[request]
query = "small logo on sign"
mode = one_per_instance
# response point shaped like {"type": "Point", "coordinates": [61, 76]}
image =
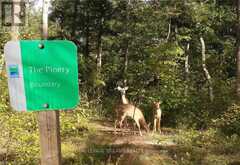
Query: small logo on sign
{"type": "Point", "coordinates": [13, 71]}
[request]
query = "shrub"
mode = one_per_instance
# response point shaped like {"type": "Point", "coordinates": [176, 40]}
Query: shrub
{"type": "Point", "coordinates": [229, 121]}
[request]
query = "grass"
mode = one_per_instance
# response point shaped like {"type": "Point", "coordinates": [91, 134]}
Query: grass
{"type": "Point", "coordinates": [191, 147]}
{"type": "Point", "coordinates": [87, 141]}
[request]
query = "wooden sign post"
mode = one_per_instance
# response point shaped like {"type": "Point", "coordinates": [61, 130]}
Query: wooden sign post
{"type": "Point", "coordinates": [48, 121]}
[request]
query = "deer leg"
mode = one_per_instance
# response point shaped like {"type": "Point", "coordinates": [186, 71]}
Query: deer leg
{"type": "Point", "coordinates": [139, 129]}
{"type": "Point", "coordinates": [134, 128]}
{"type": "Point", "coordinates": [159, 124]}
{"type": "Point", "coordinates": [126, 124]}
{"type": "Point", "coordinates": [115, 126]}
{"type": "Point", "coordinates": [154, 124]}
{"type": "Point", "coordinates": [121, 121]}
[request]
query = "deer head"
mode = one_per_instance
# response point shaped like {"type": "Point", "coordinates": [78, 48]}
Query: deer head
{"type": "Point", "coordinates": [122, 90]}
{"type": "Point", "coordinates": [157, 104]}
{"type": "Point", "coordinates": [123, 93]}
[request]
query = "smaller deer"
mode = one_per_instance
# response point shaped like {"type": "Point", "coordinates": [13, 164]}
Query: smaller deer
{"type": "Point", "coordinates": [157, 113]}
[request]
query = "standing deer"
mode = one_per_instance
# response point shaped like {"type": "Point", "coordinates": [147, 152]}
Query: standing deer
{"type": "Point", "coordinates": [128, 110]}
{"type": "Point", "coordinates": [157, 113]}
{"type": "Point", "coordinates": [124, 100]}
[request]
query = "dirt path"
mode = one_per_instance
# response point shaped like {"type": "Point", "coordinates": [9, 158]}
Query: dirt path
{"type": "Point", "coordinates": [98, 145]}
{"type": "Point", "coordinates": [131, 137]}
{"type": "Point", "coordinates": [125, 147]}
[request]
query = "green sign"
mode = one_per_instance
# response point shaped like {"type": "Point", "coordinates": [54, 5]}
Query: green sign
{"type": "Point", "coordinates": [42, 75]}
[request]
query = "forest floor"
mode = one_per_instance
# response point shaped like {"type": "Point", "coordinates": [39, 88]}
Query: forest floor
{"type": "Point", "coordinates": [102, 146]}
{"type": "Point", "coordinates": [93, 142]}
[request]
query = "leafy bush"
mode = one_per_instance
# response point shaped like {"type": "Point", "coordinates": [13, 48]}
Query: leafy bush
{"type": "Point", "coordinates": [19, 138]}
{"type": "Point", "coordinates": [229, 121]}
{"type": "Point", "coordinates": [197, 138]}
{"type": "Point", "coordinates": [206, 147]}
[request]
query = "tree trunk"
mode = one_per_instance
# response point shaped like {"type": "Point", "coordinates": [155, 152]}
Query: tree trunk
{"type": "Point", "coordinates": [99, 65]}
{"type": "Point", "coordinates": [169, 31]}
{"type": "Point", "coordinates": [126, 48]}
{"type": "Point", "coordinates": [99, 54]}
{"type": "Point", "coordinates": [14, 28]}
{"type": "Point", "coordinates": [87, 39]}
{"type": "Point", "coordinates": [99, 47]}
{"type": "Point", "coordinates": [125, 61]}
{"type": "Point", "coordinates": [186, 67]}
{"type": "Point", "coordinates": [74, 23]}
{"type": "Point", "coordinates": [207, 75]}
{"type": "Point", "coordinates": [238, 52]}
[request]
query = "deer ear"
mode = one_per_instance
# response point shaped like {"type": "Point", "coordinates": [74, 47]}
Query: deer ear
{"type": "Point", "coordinates": [126, 88]}
{"type": "Point", "coordinates": [119, 88]}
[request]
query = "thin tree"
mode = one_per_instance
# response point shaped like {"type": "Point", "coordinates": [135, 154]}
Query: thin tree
{"type": "Point", "coordinates": [169, 31]}
{"type": "Point", "coordinates": [126, 50]}
{"type": "Point", "coordinates": [14, 27]}
{"type": "Point", "coordinates": [186, 68]}
{"type": "Point", "coordinates": [238, 51]}
{"type": "Point", "coordinates": [206, 72]}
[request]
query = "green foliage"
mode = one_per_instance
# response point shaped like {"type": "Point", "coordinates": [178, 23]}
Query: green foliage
{"type": "Point", "coordinates": [154, 37]}
{"type": "Point", "coordinates": [229, 121]}
{"type": "Point", "coordinates": [19, 137]}
{"type": "Point", "coordinates": [145, 43]}
{"type": "Point", "coordinates": [207, 147]}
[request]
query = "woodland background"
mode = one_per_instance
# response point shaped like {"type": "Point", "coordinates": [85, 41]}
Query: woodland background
{"type": "Point", "coordinates": [182, 52]}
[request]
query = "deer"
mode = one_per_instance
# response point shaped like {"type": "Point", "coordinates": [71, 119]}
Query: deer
{"type": "Point", "coordinates": [124, 100]}
{"type": "Point", "coordinates": [126, 109]}
{"type": "Point", "coordinates": [157, 113]}
{"type": "Point", "coordinates": [129, 110]}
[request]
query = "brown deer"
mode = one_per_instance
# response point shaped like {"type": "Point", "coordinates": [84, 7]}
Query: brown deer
{"type": "Point", "coordinates": [124, 100]}
{"type": "Point", "coordinates": [129, 110]}
{"type": "Point", "coordinates": [157, 113]}
{"type": "Point", "coordinates": [125, 109]}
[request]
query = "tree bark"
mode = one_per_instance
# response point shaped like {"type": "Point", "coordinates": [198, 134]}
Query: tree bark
{"type": "Point", "coordinates": [206, 72]}
{"type": "Point", "coordinates": [126, 48]}
{"type": "Point", "coordinates": [126, 60]}
{"type": "Point", "coordinates": [99, 64]}
{"type": "Point", "coordinates": [14, 28]}
{"type": "Point", "coordinates": [169, 31]}
{"type": "Point", "coordinates": [74, 23]}
{"type": "Point", "coordinates": [238, 52]}
{"type": "Point", "coordinates": [87, 38]}
{"type": "Point", "coordinates": [186, 67]}
{"type": "Point", "coordinates": [99, 46]}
